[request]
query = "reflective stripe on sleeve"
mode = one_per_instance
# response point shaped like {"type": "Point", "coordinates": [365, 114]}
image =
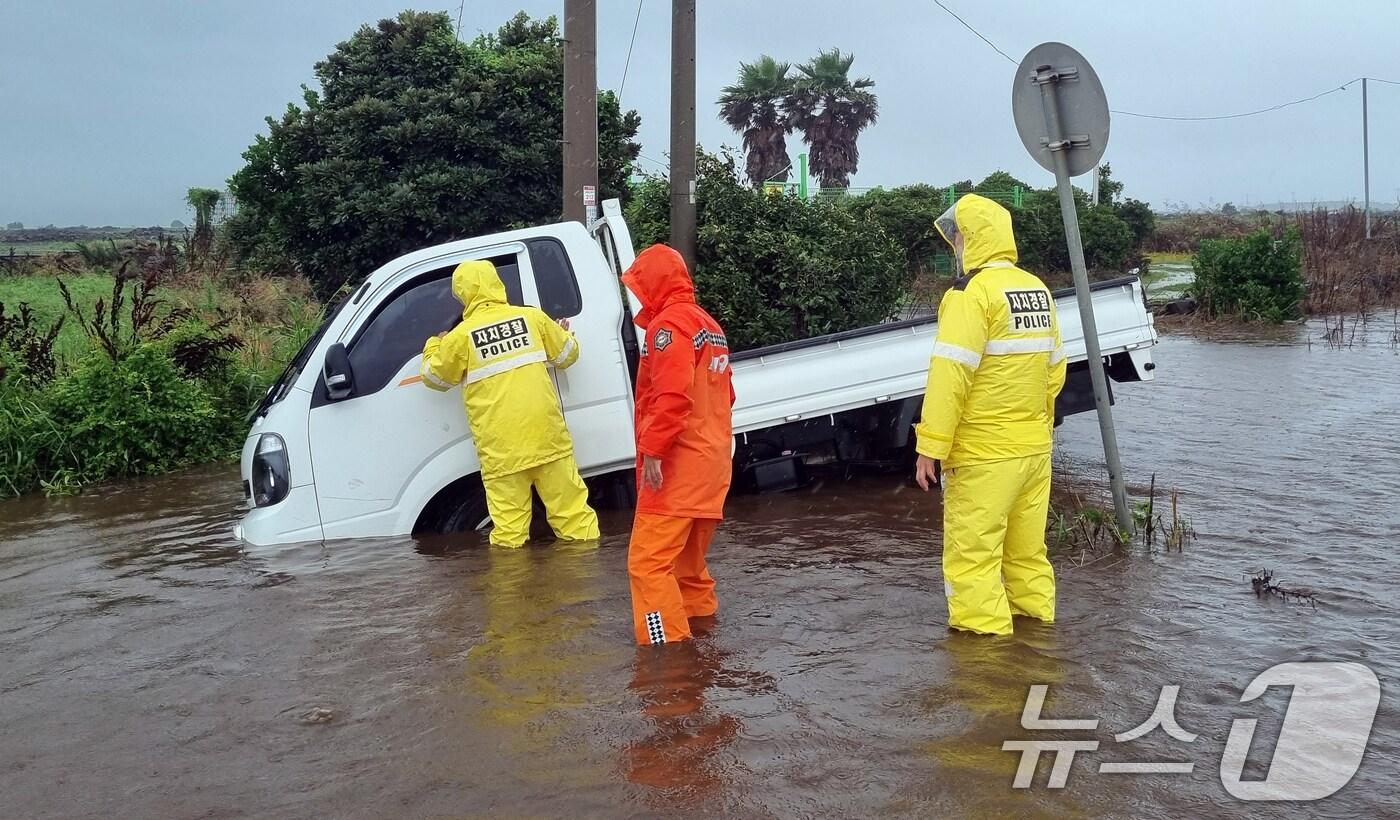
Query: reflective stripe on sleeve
{"type": "Point", "coordinates": [1058, 355]}
{"type": "Point", "coordinates": [497, 368]}
{"type": "Point", "coordinates": [1007, 347]}
{"type": "Point", "coordinates": [564, 354]}
{"type": "Point", "coordinates": [961, 355]}
{"type": "Point", "coordinates": [426, 371]}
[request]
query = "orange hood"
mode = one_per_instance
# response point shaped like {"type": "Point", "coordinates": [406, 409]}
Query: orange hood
{"type": "Point", "coordinates": [658, 278]}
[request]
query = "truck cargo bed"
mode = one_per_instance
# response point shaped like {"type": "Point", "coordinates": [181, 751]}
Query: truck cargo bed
{"type": "Point", "coordinates": [827, 374]}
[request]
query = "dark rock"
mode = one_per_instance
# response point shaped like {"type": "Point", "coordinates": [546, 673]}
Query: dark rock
{"type": "Point", "coordinates": [1179, 307]}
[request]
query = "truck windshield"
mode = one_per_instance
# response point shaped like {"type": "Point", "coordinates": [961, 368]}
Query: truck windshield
{"type": "Point", "coordinates": [283, 385]}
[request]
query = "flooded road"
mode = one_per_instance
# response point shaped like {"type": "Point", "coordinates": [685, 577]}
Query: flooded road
{"type": "Point", "coordinates": [153, 669]}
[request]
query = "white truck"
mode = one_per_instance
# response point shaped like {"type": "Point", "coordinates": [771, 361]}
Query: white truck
{"type": "Point", "coordinates": [348, 444]}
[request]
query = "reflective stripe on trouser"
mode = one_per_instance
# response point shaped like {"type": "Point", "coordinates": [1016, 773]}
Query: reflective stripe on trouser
{"type": "Point", "coordinates": [670, 579]}
{"type": "Point", "coordinates": [565, 500]}
{"type": "Point", "coordinates": [994, 562]}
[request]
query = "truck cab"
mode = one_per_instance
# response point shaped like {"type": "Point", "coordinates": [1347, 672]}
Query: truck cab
{"type": "Point", "coordinates": [348, 443]}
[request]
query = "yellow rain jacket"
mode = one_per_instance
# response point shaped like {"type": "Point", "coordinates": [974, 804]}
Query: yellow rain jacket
{"type": "Point", "coordinates": [502, 352]}
{"type": "Point", "coordinates": [997, 363]}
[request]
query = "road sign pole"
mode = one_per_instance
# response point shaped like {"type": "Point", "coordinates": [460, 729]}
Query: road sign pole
{"type": "Point", "coordinates": [1047, 78]}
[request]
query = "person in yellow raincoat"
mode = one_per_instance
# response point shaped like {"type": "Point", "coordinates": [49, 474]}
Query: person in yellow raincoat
{"type": "Point", "coordinates": [501, 353]}
{"type": "Point", "coordinates": [988, 414]}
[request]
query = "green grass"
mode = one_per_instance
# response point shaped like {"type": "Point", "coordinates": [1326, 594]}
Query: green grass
{"type": "Point", "coordinates": [272, 327]}
{"type": "Point", "coordinates": [41, 294]}
{"type": "Point", "coordinates": [1169, 257]}
{"type": "Point", "coordinates": [46, 246]}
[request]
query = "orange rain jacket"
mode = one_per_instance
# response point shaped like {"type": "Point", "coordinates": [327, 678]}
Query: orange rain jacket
{"type": "Point", "coordinates": [684, 391]}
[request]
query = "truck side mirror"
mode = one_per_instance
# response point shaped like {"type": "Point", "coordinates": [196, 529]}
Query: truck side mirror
{"type": "Point", "coordinates": [337, 374]}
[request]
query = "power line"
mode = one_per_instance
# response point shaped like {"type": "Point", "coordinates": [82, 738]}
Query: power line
{"type": "Point", "coordinates": [975, 31]}
{"type": "Point", "coordinates": [1254, 113]}
{"type": "Point", "coordinates": [460, 6]}
{"type": "Point", "coordinates": [1342, 87]}
{"type": "Point", "coordinates": [628, 64]}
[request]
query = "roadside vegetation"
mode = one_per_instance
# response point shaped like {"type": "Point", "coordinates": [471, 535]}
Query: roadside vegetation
{"type": "Point", "coordinates": [775, 268]}
{"type": "Point", "coordinates": [1271, 267]}
{"type": "Point", "coordinates": [137, 369]}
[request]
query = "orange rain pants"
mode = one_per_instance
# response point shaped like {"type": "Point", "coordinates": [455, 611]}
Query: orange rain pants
{"type": "Point", "coordinates": [671, 582]}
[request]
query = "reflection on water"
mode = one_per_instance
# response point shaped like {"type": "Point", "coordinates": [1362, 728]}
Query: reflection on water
{"type": "Point", "coordinates": [685, 735]}
{"type": "Point", "coordinates": [154, 668]}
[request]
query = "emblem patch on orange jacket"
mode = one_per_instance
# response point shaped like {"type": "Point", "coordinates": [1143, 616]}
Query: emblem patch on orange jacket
{"type": "Point", "coordinates": [663, 338]}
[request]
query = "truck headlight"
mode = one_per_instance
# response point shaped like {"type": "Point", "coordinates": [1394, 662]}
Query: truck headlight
{"type": "Point", "coordinates": [271, 473]}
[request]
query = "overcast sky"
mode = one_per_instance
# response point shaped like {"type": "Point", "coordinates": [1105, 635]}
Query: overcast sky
{"type": "Point", "coordinates": [110, 110]}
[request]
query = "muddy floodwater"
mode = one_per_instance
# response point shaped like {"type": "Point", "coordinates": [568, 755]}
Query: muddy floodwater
{"type": "Point", "coordinates": [150, 667]}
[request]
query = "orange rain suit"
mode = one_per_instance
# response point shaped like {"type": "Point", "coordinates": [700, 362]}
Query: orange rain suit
{"type": "Point", "coordinates": [684, 400]}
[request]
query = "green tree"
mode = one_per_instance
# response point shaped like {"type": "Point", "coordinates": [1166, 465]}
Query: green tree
{"type": "Point", "coordinates": [773, 268]}
{"type": "Point", "coordinates": [753, 107]}
{"type": "Point", "coordinates": [907, 215]}
{"type": "Point", "coordinates": [1109, 188]}
{"type": "Point", "coordinates": [416, 138]}
{"type": "Point", "coordinates": [1140, 218]}
{"type": "Point", "coordinates": [999, 182]}
{"type": "Point", "coordinates": [1040, 233]}
{"type": "Point", "coordinates": [831, 109]}
{"type": "Point", "coordinates": [1108, 241]}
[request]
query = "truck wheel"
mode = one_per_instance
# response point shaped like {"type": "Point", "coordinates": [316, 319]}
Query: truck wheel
{"type": "Point", "coordinates": [467, 513]}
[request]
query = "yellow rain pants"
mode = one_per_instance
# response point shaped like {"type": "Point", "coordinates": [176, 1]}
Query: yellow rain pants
{"type": "Point", "coordinates": [565, 498]}
{"type": "Point", "coordinates": [994, 563]}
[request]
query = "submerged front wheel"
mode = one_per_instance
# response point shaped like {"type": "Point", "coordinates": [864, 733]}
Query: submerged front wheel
{"type": "Point", "coordinates": [458, 507]}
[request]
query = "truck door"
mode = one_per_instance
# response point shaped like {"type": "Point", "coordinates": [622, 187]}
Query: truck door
{"type": "Point", "coordinates": [596, 391]}
{"type": "Point", "coordinates": [367, 448]}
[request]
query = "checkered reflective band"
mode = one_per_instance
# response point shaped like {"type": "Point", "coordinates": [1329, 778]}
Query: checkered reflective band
{"type": "Point", "coordinates": [655, 630]}
{"type": "Point", "coordinates": [707, 337]}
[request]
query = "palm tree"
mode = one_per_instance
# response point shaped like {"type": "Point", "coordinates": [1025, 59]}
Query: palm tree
{"type": "Point", "coordinates": [832, 110]}
{"type": "Point", "coordinates": [754, 108]}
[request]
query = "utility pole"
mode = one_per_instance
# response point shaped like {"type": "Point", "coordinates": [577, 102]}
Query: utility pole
{"type": "Point", "coordinates": [1366, 155]}
{"type": "Point", "coordinates": [683, 129]}
{"type": "Point", "coordinates": [580, 111]}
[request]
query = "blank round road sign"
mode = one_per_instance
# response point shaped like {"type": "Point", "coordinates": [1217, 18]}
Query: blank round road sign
{"type": "Point", "coordinates": [1082, 103]}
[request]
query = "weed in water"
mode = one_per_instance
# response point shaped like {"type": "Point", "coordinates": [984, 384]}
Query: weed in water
{"type": "Point", "coordinates": [1262, 580]}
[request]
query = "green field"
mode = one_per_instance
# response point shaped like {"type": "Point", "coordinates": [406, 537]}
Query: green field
{"type": "Point", "coordinates": [45, 246]}
{"type": "Point", "coordinates": [41, 294]}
